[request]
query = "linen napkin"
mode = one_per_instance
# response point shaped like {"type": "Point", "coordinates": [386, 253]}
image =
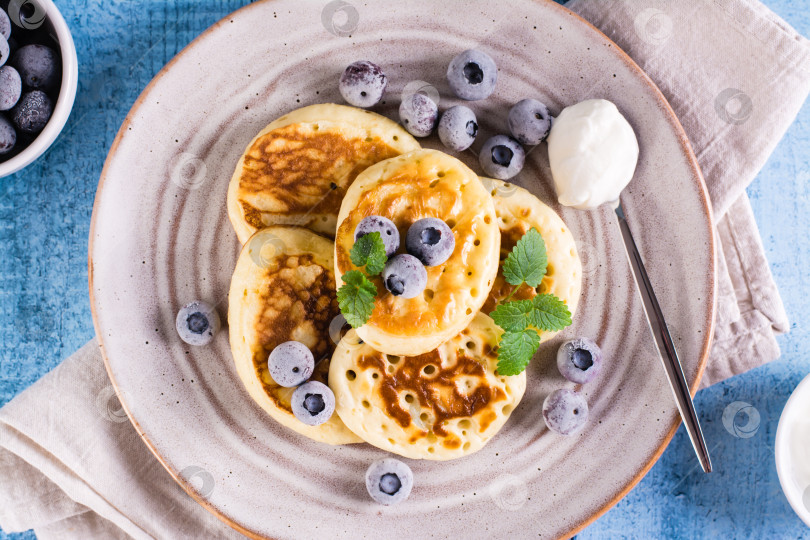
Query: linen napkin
{"type": "Point", "coordinates": [72, 466]}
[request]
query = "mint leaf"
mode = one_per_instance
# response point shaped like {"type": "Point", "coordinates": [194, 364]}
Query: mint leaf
{"type": "Point", "coordinates": [356, 298]}
{"type": "Point", "coordinates": [527, 261]}
{"type": "Point", "coordinates": [369, 251]}
{"type": "Point", "coordinates": [548, 313]}
{"type": "Point", "coordinates": [513, 316]}
{"type": "Point", "coordinates": [515, 351]}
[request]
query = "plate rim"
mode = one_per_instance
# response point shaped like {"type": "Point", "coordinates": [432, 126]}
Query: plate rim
{"type": "Point", "coordinates": [687, 151]}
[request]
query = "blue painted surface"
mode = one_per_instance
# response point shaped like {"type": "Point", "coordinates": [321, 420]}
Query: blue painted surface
{"type": "Point", "coordinates": [45, 314]}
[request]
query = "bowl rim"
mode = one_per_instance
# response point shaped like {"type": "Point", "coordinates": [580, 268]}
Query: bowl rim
{"type": "Point", "coordinates": [781, 457]}
{"type": "Point", "coordinates": [67, 94]}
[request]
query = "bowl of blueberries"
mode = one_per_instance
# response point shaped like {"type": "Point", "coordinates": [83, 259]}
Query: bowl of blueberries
{"type": "Point", "coordinates": [38, 80]}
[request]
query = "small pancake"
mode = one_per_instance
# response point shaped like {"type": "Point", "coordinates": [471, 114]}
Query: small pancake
{"type": "Point", "coordinates": [518, 211]}
{"type": "Point", "coordinates": [421, 184]}
{"type": "Point", "coordinates": [283, 288]}
{"type": "Point", "coordinates": [296, 171]}
{"type": "Point", "coordinates": [441, 405]}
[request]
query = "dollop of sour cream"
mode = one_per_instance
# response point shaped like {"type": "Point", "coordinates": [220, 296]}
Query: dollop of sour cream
{"type": "Point", "coordinates": [593, 153]}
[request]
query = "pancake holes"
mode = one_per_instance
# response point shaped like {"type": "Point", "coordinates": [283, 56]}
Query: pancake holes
{"type": "Point", "coordinates": [429, 369]}
{"type": "Point", "coordinates": [543, 288]}
{"type": "Point", "coordinates": [474, 292]}
{"type": "Point", "coordinates": [390, 440]}
{"type": "Point", "coordinates": [470, 344]}
{"type": "Point", "coordinates": [375, 375]}
{"type": "Point", "coordinates": [429, 294]}
{"type": "Point", "coordinates": [487, 219]}
{"type": "Point", "coordinates": [573, 252]}
{"type": "Point", "coordinates": [431, 449]}
{"type": "Point", "coordinates": [469, 273]}
{"type": "Point", "coordinates": [464, 433]}
{"type": "Point", "coordinates": [324, 218]}
{"type": "Point", "coordinates": [396, 137]}
{"type": "Point", "coordinates": [493, 192]}
{"type": "Point", "coordinates": [451, 223]}
{"type": "Point", "coordinates": [408, 398]}
{"type": "Point", "coordinates": [366, 404]}
{"type": "Point", "coordinates": [562, 230]}
{"type": "Point", "coordinates": [391, 369]}
{"type": "Point", "coordinates": [434, 183]}
{"type": "Point", "coordinates": [392, 359]}
{"type": "Point", "coordinates": [440, 174]}
{"type": "Point", "coordinates": [469, 311]}
{"type": "Point", "coordinates": [464, 424]}
{"type": "Point", "coordinates": [466, 446]}
{"type": "Point", "coordinates": [423, 417]}
{"type": "Point", "coordinates": [477, 242]}
{"type": "Point", "coordinates": [369, 139]}
{"type": "Point", "coordinates": [385, 427]}
{"type": "Point", "coordinates": [507, 410]}
{"type": "Point", "coordinates": [550, 270]}
{"type": "Point", "coordinates": [316, 127]}
{"type": "Point", "coordinates": [432, 437]}
{"type": "Point", "coordinates": [351, 375]}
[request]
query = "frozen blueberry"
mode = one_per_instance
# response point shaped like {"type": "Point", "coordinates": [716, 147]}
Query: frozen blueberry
{"type": "Point", "coordinates": [38, 66]}
{"type": "Point", "coordinates": [389, 481]}
{"type": "Point", "coordinates": [579, 360]}
{"type": "Point", "coordinates": [5, 25]}
{"type": "Point", "coordinates": [388, 231]}
{"type": "Point", "coordinates": [10, 87]}
{"type": "Point", "coordinates": [290, 364]}
{"type": "Point", "coordinates": [197, 323]}
{"type": "Point", "coordinates": [458, 128]}
{"type": "Point", "coordinates": [362, 84]}
{"type": "Point", "coordinates": [418, 114]}
{"type": "Point", "coordinates": [313, 403]}
{"type": "Point", "coordinates": [404, 276]}
{"type": "Point", "coordinates": [565, 411]}
{"type": "Point", "coordinates": [472, 75]}
{"type": "Point", "coordinates": [501, 157]}
{"type": "Point", "coordinates": [32, 112]}
{"type": "Point", "coordinates": [431, 241]}
{"type": "Point", "coordinates": [8, 136]}
{"type": "Point", "coordinates": [529, 121]}
{"type": "Point", "coordinates": [5, 50]}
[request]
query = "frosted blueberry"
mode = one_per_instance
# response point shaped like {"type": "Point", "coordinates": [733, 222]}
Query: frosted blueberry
{"type": "Point", "coordinates": [389, 481]}
{"type": "Point", "coordinates": [472, 75]}
{"type": "Point", "coordinates": [197, 323]}
{"type": "Point", "coordinates": [565, 411]}
{"type": "Point", "coordinates": [313, 403]}
{"type": "Point", "coordinates": [404, 276]}
{"type": "Point", "coordinates": [290, 364]}
{"type": "Point", "coordinates": [362, 84]}
{"type": "Point", "coordinates": [529, 121]}
{"type": "Point", "coordinates": [388, 232]}
{"type": "Point", "coordinates": [579, 360]}
{"type": "Point", "coordinates": [458, 128]}
{"type": "Point", "coordinates": [418, 114]}
{"type": "Point", "coordinates": [431, 241]}
{"type": "Point", "coordinates": [501, 157]}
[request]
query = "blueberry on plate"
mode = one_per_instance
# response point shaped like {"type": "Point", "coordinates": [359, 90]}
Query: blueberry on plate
{"type": "Point", "coordinates": [38, 66]}
{"type": "Point", "coordinates": [418, 114]}
{"type": "Point", "coordinates": [32, 112]}
{"type": "Point", "coordinates": [579, 360]}
{"type": "Point", "coordinates": [290, 364]}
{"type": "Point", "coordinates": [313, 403]}
{"type": "Point", "coordinates": [10, 87]}
{"type": "Point", "coordinates": [362, 84]}
{"type": "Point", "coordinates": [565, 411]}
{"type": "Point", "coordinates": [197, 323]}
{"type": "Point", "coordinates": [431, 241]}
{"type": "Point", "coordinates": [472, 75]}
{"type": "Point", "coordinates": [501, 157]}
{"type": "Point", "coordinates": [404, 276]}
{"type": "Point", "coordinates": [529, 121]}
{"type": "Point", "coordinates": [8, 136]}
{"type": "Point", "coordinates": [458, 128]}
{"type": "Point", "coordinates": [389, 481]}
{"type": "Point", "coordinates": [388, 232]}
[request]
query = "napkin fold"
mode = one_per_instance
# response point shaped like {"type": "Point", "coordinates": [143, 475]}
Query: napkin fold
{"type": "Point", "coordinates": [72, 466]}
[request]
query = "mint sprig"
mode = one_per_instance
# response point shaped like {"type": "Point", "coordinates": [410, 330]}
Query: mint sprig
{"type": "Point", "coordinates": [356, 295]}
{"type": "Point", "coordinates": [522, 320]}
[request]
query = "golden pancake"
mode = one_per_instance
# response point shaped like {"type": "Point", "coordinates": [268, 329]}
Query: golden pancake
{"type": "Point", "coordinates": [283, 288]}
{"type": "Point", "coordinates": [518, 211]}
{"type": "Point", "coordinates": [296, 171]}
{"type": "Point", "coordinates": [424, 183]}
{"type": "Point", "coordinates": [440, 405]}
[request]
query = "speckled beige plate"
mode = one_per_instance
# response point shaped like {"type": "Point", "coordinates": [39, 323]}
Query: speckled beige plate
{"type": "Point", "coordinates": [160, 237]}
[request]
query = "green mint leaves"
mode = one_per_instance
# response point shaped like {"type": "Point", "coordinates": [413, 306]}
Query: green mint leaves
{"type": "Point", "coordinates": [356, 295]}
{"type": "Point", "coordinates": [369, 251]}
{"type": "Point", "coordinates": [527, 261]}
{"type": "Point", "coordinates": [521, 319]}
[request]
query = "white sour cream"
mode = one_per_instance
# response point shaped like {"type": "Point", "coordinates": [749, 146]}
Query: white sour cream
{"type": "Point", "coordinates": [593, 153]}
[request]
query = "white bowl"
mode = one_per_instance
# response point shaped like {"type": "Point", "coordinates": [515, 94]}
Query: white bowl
{"type": "Point", "coordinates": [795, 483]}
{"type": "Point", "coordinates": [67, 91]}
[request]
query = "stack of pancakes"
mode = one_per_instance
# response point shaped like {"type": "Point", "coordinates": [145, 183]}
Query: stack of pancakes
{"type": "Point", "coordinates": [419, 378]}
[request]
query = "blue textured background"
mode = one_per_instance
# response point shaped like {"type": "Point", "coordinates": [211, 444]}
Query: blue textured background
{"type": "Point", "coordinates": [45, 313]}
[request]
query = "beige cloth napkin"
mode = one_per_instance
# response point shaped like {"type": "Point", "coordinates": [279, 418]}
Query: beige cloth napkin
{"type": "Point", "coordinates": [71, 466]}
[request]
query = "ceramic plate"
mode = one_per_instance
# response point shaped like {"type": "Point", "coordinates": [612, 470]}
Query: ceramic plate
{"type": "Point", "coordinates": [160, 238]}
